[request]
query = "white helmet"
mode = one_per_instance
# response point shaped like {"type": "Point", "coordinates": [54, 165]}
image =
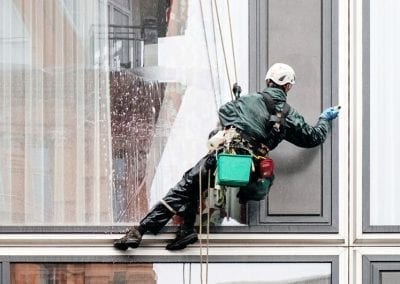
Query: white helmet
{"type": "Point", "coordinates": [281, 74]}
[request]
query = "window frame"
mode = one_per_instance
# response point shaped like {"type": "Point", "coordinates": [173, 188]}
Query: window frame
{"type": "Point", "coordinates": [4, 272]}
{"type": "Point", "coordinates": [366, 145]}
{"type": "Point", "coordinates": [6, 261]}
{"type": "Point", "coordinates": [373, 265]}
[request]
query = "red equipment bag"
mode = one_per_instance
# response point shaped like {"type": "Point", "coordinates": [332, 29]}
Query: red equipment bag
{"type": "Point", "coordinates": [266, 168]}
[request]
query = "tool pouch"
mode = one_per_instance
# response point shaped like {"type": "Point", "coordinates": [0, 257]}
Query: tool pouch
{"type": "Point", "coordinates": [266, 168]}
{"type": "Point", "coordinates": [256, 191]}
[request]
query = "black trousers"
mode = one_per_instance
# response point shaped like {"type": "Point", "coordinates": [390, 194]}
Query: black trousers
{"type": "Point", "coordinates": [183, 197]}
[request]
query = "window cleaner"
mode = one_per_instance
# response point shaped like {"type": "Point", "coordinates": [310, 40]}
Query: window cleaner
{"type": "Point", "coordinates": [257, 126]}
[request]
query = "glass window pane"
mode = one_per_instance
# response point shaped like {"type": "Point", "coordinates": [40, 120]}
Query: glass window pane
{"type": "Point", "coordinates": [54, 108]}
{"type": "Point", "coordinates": [99, 118]}
{"type": "Point", "coordinates": [177, 273]}
{"type": "Point", "coordinates": [165, 131]}
{"type": "Point", "coordinates": [384, 151]}
{"type": "Point", "coordinates": [121, 3]}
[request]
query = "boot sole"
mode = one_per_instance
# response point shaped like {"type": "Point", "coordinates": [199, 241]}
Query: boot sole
{"type": "Point", "coordinates": [126, 245]}
{"type": "Point", "coordinates": [191, 239]}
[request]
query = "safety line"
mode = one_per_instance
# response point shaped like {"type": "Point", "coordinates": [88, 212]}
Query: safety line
{"type": "Point", "coordinates": [131, 199]}
{"type": "Point", "coordinates": [208, 55]}
{"type": "Point", "coordinates": [216, 52]}
{"type": "Point", "coordinates": [224, 52]}
{"type": "Point", "coordinates": [208, 222]}
{"type": "Point", "coordinates": [200, 227]}
{"type": "Point", "coordinates": [233, 48]}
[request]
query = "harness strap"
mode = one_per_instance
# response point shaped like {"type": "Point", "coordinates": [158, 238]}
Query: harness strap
{"type": "Point", "coordinates": [276, 117]}
{"type": "Point", "coordinates": [163, 202]}
{"type": "Point", "coordinates": [258, 148]}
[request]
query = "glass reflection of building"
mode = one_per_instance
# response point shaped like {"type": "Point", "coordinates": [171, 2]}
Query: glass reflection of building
{"type": "Point", "coordinates": [77, 109]}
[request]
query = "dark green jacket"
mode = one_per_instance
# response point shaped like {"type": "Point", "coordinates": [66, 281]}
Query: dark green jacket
{"type": "Point", "coordinates": [249, 113]}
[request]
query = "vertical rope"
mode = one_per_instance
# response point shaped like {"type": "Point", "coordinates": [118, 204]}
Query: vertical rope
{"type": "Point", "coordinates": [200, 228]}
{"type": "Point", "coordinates": [233, 49]}
{"type": "Point", "coordinates": [216, 52]}
{"type": "Point", "coordinates": [208, 55]}
{"type": "Point", "coordinates": [208, 222]}
{"type": "Point", "coordinates": [223, 49]}
{"type": "Point", "coordinates": [201, 225]}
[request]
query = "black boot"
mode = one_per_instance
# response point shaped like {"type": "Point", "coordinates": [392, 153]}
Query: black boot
{"type": "Point", "coordinates": [183, 238]}
{"type": "Point", "coordinates": [131, 239]}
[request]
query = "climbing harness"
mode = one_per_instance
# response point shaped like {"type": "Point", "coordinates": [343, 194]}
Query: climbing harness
{"type": "Point", "coordinates": [162, 201]}
{"type": "Point", "coordinates": [277, 121]}
{"type": "Point", "coordinates": [278, 118]}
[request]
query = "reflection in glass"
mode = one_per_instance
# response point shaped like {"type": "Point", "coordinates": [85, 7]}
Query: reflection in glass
{"type": "Point", "coordinates": [384, 98]}
{"type": "Point", "coordinates": [177, 273]}
{"type": "Point", "coordinates": [163, 103]}
{"type": "Point", "coordinates": [54, 113]}
{"type": "Point", "coordinates": [180, 72]}
{"type": "Point", "coordinates": [105, 104]}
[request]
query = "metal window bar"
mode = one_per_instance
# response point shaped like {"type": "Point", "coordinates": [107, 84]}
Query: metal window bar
{"type": "Point", "coordinates": [126, 44]}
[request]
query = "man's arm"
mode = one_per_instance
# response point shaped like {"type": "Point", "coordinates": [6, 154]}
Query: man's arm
{"type": "Point", "coordinates": [304, 135]}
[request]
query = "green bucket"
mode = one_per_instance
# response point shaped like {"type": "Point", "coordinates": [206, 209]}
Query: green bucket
{"type": "Point", "coordinates": [233, 170]}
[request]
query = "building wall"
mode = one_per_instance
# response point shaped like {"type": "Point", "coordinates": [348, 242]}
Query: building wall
{"type": "Point", "coordinates": [93, 132]}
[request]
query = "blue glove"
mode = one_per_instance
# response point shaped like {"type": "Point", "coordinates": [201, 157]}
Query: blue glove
{"type": "Point", "coordinates": [330, 113]}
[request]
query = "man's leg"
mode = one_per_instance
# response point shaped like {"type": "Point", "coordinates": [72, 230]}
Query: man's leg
{"type": "Point", "coordinates": [186, 233]}
{"type": "Point", "coordinates": [179, 198]}
{"type": "Point", "coordinates": [154, 221]}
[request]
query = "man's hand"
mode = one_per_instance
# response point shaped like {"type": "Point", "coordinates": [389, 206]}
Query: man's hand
{"type": "Point", "coordinates": [330, 113]}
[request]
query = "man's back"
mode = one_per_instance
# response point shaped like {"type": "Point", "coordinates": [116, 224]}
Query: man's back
{"type": "Point", "coordinates": [250, 114]}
